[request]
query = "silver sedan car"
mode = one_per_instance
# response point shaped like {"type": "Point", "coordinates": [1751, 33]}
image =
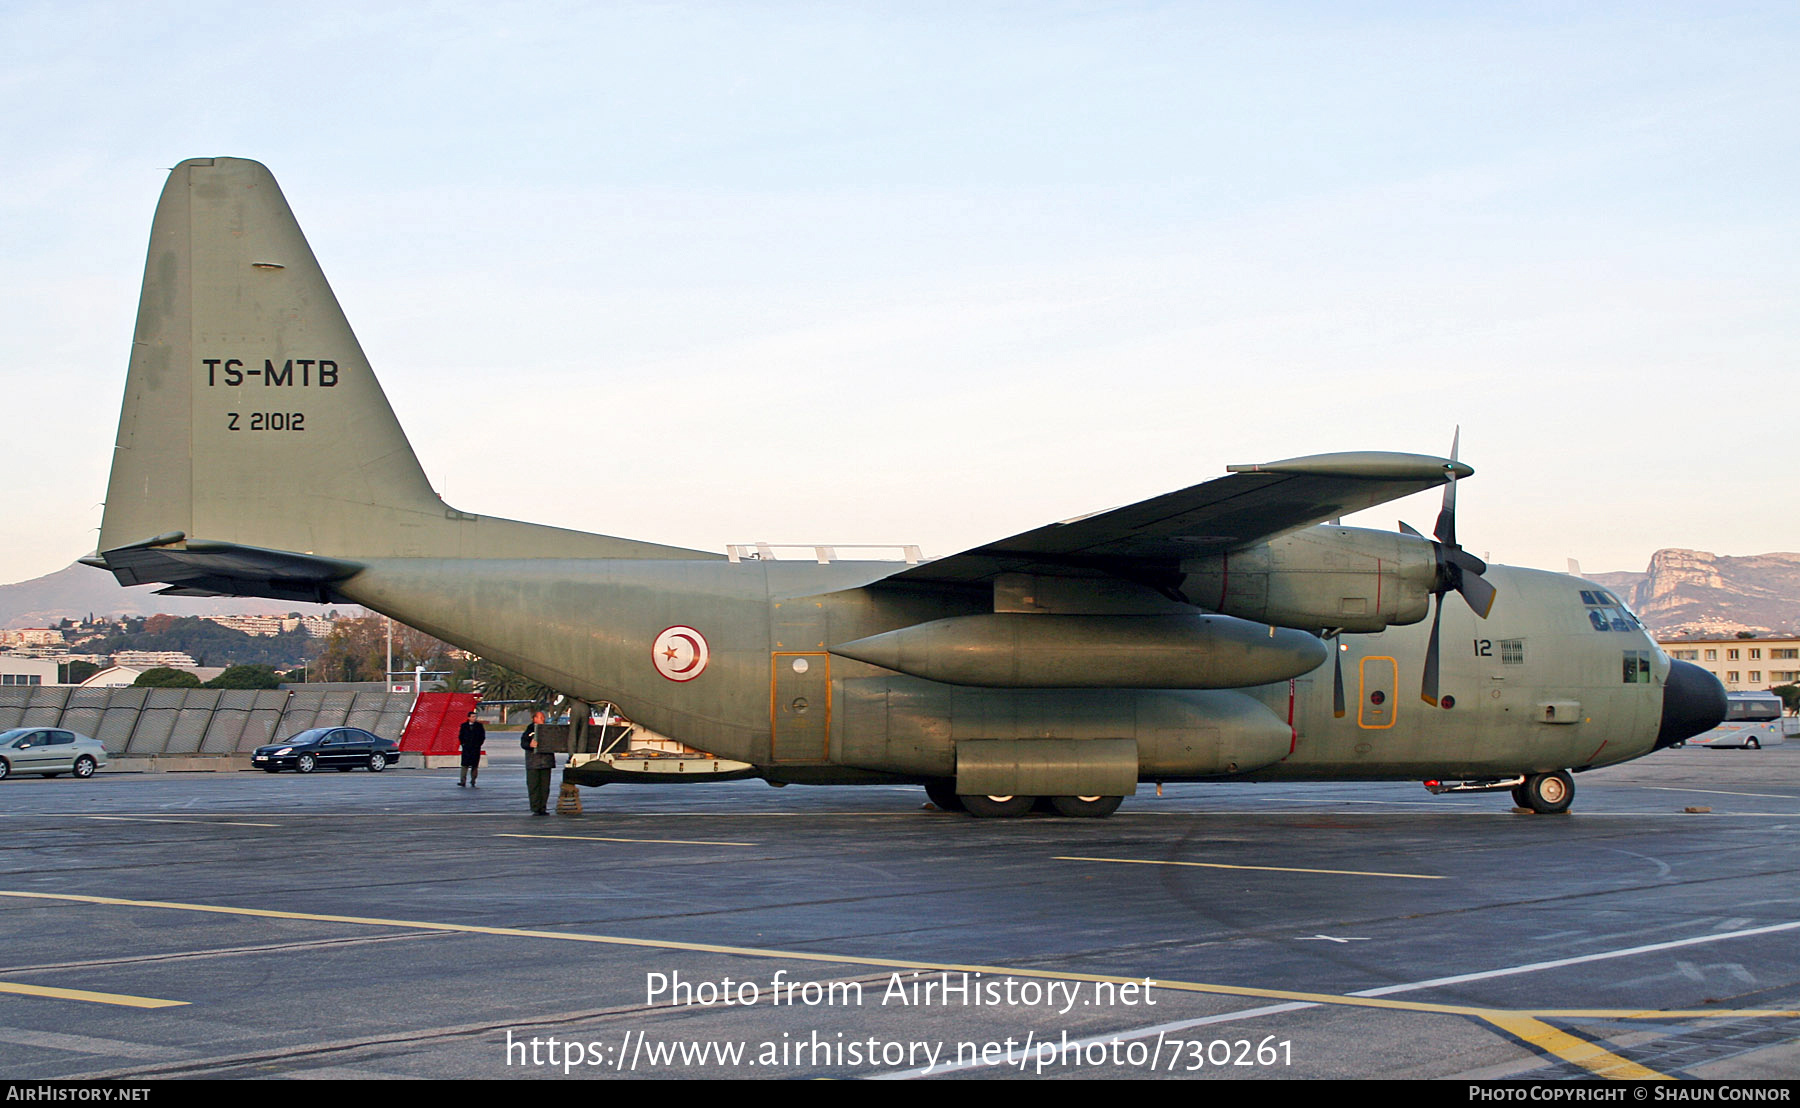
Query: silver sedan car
{"type": "Point", "coordinates": [50, 751]}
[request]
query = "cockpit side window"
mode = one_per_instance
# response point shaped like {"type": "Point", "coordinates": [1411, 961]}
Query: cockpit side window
{"type": "Point", "coordinates": [1637, 667]}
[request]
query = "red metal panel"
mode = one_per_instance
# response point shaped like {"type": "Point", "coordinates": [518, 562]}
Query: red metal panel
{"type": "Point", "coordinates": [434, 722]}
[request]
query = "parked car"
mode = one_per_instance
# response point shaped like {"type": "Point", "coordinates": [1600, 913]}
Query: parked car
{"type": "Point", "coordinates": [339, 748]}
{"type": "Point", "coordinates": [51, 751]}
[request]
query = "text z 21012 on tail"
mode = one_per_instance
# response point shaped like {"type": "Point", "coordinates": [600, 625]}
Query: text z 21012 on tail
{"type": "Point", "coordinates": [1224, 631]}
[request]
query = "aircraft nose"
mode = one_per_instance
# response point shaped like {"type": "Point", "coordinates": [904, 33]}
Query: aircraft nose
{"type": "Point", "coordinates": [1693, 704]}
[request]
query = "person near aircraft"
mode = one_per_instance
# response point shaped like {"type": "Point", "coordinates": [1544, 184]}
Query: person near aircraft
{"type": "Point", "coordinates": [470, 737]}
{"type": "Point", "coordinates": [538, 764]}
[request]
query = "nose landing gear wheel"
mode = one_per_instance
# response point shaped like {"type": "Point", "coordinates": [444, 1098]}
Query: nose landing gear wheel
{"type": "Point", "coordinates": [997, 807]}
{"type": "Point", "coordinates": [1546, 793]}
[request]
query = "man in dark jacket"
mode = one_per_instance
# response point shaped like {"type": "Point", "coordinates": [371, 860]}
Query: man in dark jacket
{"type": "Point", "coordinates": [470, 737]}
{"type": "Point", "coordinates": [538, 766]}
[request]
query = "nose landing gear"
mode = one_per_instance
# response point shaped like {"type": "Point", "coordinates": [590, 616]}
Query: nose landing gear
{"type": "Point", "coordinates": [1545, 793]}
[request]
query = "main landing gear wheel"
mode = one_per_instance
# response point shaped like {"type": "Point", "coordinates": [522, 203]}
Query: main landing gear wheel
{"type": "Point", "coordinates": [1086, 807]}
{"type": "Point", "coordinates": [997, 807]}
{"type": "Point", "coordinates": [1546, 793]}
{"type": "Point", "coordinates": [943, 794]}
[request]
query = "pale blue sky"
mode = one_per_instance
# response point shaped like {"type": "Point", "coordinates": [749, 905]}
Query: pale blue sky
{"type": "Point", "coordinates": [713, 273]}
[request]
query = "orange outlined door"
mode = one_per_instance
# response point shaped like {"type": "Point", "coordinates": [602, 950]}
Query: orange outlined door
{"type": "Point", "coordinates": [800, 706]}
{"type": "Point", "coordinates": [1377, 678]}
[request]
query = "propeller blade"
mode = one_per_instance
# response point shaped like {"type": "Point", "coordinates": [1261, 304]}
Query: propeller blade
{"type": "Point", "coordinates": [1428, 692]}
{"type": "Point", "coordinates": [1337, 679]}
{"type": "Point", "coordinates": [1446, 520]}
{"type": "Point", "coordinates": [1464, 561]}
{"type": "Point", "coordinates": [1476, 590]}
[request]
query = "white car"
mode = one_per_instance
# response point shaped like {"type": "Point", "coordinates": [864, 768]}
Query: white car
{"type": "Point", "coordinates": [50, 751]}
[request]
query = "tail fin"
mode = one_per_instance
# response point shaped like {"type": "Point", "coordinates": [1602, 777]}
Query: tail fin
{"type": "Point", "coordinates": [252, 418]}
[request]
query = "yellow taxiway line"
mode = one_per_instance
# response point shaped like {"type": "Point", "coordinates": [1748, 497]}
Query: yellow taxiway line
{"type": "Point", "coordinates": [1268, 869]}
{"type": "Point", "coordinates": [1571, 1048]}
{"type": "Point", "coordinates": [123, 1000]}
{"type": "Point", "coordinates": [1525, 1025]}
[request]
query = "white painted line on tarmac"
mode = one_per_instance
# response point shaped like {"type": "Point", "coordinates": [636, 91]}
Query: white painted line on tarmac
{"type": "Point", "coordinates": [1718, 792]}
{"type": "Point", "coordinates": [1164, 1029]}
{"type": "Point", "coordinates": [606, 839]}
{"type": "Point", "coordinates": [203, 822]}
{"type": "Point", "coordinates": [1558, 963]}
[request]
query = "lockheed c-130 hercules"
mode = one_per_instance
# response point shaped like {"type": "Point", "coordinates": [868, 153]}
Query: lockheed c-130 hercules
{"type": "Point", "coordinates": [1227, 631]}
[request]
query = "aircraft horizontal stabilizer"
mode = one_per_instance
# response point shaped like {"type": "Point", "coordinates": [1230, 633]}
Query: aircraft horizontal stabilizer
{"type": "Point", "coordinates": [200, 568]}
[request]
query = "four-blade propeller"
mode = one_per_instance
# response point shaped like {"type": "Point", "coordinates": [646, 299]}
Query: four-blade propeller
{"type": "Point", "coordinates": [1458, 570]}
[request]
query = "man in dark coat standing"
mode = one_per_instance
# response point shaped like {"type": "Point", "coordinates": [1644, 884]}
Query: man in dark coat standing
{"type": "Point", "coordinates": [470, 737]}
{"type": "Point", "coordinates": [538, 766]}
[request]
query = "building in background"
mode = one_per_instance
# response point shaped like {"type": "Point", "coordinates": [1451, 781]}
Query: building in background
{"type": "Point", "coordinates": [124, 676]}
{"type": "Point", "coordinates": [1742, 665]}
{"type": "Point", "coordinates": [17, 670]}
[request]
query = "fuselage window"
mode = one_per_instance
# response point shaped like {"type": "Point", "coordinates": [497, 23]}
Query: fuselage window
{"type": "Point", "coordinates": [1637, 667]}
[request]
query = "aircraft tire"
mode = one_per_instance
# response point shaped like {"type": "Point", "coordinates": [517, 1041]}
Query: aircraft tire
{"type": "Point", "coordinates": [1086, 807]}
{"type": "Point", "coordinates": [1519, 797]}
{"type": "Point", "coordinates": [943, 793]}
{"type": "Point", "coordinates": [1549, 793]}
{"type": "Point", "coordinates": [997, 807]}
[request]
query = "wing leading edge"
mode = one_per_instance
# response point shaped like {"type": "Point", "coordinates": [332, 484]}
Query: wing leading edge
{"type": "Point", "coordinates": [1147, 541]}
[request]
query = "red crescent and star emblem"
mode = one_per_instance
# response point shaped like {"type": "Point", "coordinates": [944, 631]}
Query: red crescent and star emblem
{"type": "Point", "coordinates": [679, 653]}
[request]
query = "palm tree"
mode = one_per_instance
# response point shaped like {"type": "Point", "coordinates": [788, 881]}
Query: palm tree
{"type": "Point", "coordinates": [465, 674]}
{"type": "Point", "coordinates": [499, 683]}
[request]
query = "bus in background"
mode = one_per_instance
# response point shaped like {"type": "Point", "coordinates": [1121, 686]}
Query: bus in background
{"type": "Point", "coordinates": [1752, 721]}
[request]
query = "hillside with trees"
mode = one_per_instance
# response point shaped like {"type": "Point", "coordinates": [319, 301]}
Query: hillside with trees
{"type": "Point", "coordinates": [208, 643]}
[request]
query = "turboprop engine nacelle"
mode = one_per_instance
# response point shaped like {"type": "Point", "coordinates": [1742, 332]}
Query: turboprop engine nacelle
{"type": "Point", "coordinates": [1331, 576]}
{"type": "Point", "coordinates": [1032, 651]}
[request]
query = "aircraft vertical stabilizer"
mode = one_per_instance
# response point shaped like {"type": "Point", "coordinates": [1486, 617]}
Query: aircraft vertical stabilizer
{"type": "Point", "coordinates": [251, 416]}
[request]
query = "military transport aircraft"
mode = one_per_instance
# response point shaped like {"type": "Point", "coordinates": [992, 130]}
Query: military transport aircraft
{"type": "Point", "coordinates": [1230, 630]}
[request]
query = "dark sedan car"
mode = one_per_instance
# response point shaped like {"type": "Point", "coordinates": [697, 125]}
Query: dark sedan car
{"type": "Point", "coordinates": [339, 748]}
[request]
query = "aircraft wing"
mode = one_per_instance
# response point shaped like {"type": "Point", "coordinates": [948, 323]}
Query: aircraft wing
{"type": "Point", "coordinates": [1147, 541]}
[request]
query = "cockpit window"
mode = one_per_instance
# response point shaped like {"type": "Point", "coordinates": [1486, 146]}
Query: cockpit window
{"type": "Point", "coordinates": [1606, 612]}
{"type": "Point", "coordinates": [1637, 667]}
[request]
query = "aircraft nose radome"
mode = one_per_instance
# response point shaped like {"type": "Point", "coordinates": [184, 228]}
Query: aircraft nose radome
{"type": "Point", "coordinates": [1693, 704]}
